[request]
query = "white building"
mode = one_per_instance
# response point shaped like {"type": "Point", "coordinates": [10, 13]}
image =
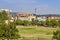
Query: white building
{"type": "Point", "coordinates": [25, 16]}
{"type": "Point", "coordinates": [42, 18]}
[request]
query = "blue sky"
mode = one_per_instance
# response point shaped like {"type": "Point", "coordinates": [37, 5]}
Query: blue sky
{"type": "Point", "coordinates": [43, 6]}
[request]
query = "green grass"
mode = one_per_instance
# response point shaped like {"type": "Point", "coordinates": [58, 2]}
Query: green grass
{"type": "Point", "coordinates": [39, 33]}
{"type": "Point", "coordinates": [39, 30]}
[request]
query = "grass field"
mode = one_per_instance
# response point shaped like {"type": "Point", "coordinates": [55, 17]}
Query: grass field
{"type": "Point", "coordinates": [36, 33]}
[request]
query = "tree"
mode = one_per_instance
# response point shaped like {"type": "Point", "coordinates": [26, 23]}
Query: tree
{"type": "Point", "coordinates": [53, 23]}
{"type": "Point", "coordinates": [13, 31]}
{"type": "Point", "coordinates": [7, 31]}
{"type": "Point", "coordinates": [43, 23]}
{"type": "Point", "coordinates": [26, 22]}
{"type": "Point", "coordinates": [35, 22]}
{"type": "Point", "coordinates": [59, 23]}
{"type": "Point", "coordinates": [56, 35]}
{"type": "Point", "coordinates": [19, 22]}
{"type": "Point", "coordinates": [3, 15]}
{"type": "Point", "coordinates": [49, 23]}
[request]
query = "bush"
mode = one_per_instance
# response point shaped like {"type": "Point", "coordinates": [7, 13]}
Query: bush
{"type": "Point", "coordinates": [19, 22]}
{"type": "Point", "coordinates": [26, 22]}
{"type": "Point", "coordinates": [56, 35]}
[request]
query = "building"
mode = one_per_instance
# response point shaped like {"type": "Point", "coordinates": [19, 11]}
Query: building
{"type": "Point", "coordinates": [41, 18]}
{"type": "Point", "coordinates": [53, 17]}
{"type": "Point", "coordinates": [25, 16]}
{"type": "Point", "coordinates": [48, 17]}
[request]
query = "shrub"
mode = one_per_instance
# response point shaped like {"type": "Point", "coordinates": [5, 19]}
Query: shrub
{"type": "Point", "coordinates": [56, 35]}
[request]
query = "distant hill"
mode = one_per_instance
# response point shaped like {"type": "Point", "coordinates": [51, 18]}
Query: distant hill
{"type": "Point", "coordinates": [14, 13]}
{"type": "Point", "coordinates": [46, 15]}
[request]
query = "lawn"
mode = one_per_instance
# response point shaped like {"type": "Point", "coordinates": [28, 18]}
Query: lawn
{"type": "Point", "coordinates": [36, 33]}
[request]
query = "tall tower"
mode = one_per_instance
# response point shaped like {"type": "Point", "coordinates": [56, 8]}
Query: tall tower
{"type": "Point", "coordinates": [36, 13]}
{"type": "Point", "coordinates": [35, 10]}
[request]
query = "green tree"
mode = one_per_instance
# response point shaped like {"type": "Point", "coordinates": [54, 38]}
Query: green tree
{"type": "Point", "coordinates": [59, 23]}
{"type": "Point", "coordinates": [53, 23]}
{"type": "Point", "coordinates": [43, 23]}
{"type": "Point", "coordinates": [3, 15]}
{"type": "Point", "coordinates": [26, 22]}
{"type": "Point", "coordinates": [19, 22]}
{"type": "Point", "coordinates": [56, 35]}
{"type": "Point", "coordinates": [7, 31]}
{"type": "Point", "coordinates": [35, 22]}
{"type": "Point", "coordinates": [13, 31]}
{"type": "Point", "coordinates": [49, 23]}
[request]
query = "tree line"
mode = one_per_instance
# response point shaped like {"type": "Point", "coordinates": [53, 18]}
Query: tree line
{"type": "Point", "coordinates": [51, 23]}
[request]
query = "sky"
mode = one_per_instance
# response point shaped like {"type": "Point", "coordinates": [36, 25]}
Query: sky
{"type": "Point", "coordinates": [42, 6]}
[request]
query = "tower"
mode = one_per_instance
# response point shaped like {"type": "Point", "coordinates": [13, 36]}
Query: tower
{"type": "Point", "coordinates": [35, 10]}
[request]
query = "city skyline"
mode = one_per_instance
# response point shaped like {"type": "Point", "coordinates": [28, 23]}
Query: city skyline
{"type": "Point", "coordinates": [42, 6]}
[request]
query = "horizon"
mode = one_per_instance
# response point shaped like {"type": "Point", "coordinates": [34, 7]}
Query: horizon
{"type": "Point", "coordinates": [42, 6]}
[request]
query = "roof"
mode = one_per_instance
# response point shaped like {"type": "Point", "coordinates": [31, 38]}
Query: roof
{"type": "Point", "coordinates": [23, 14]}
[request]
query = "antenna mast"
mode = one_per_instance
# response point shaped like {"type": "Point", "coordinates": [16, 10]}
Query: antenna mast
{"type": "Point", "coordinates": [35, 10]}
